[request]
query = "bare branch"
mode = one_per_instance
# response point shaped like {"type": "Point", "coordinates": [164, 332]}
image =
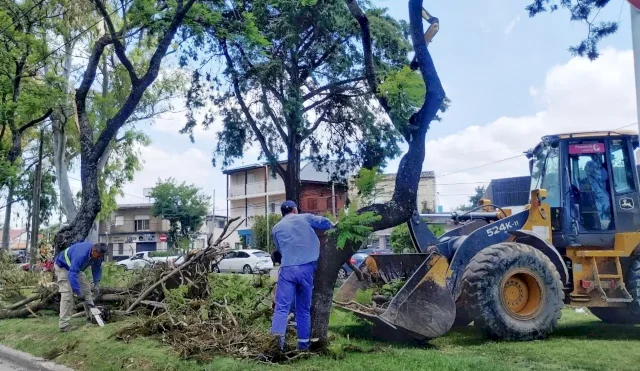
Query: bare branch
{"type": "Point", "coordinates": [35, 121]}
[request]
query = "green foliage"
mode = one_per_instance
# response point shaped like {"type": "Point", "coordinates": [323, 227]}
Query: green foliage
{"type": "Point", "coordinates": [114, 276]}
{"type": "Point", "coordinates": [240, 293]}
{"type": "Point", "coordinates": [364, 297]}
{"type": "Point", "coordinates": [366, 182]}
{"type": "Point", "coordinates": [405, 92]}
{"type": "Point", "coordinates": [13, 278]}
{"type": "Point", "coordinates": [260, 233]}
{"type": "Point", "coordinates": [285, 56]}
{"type": "Point", "coordinates": [473, 200]}
{"type": "Point", "coordinates": [391, 288]}
{"type": "Point", "coordinates": [353, 226]}
{"type": "Point", "coordinates": [400, 238]}
{"type": "Point", "coordinates": [184, 206]}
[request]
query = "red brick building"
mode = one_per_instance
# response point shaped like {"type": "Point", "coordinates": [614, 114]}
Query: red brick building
{"type": "Point", "coordinates": [317, 197]}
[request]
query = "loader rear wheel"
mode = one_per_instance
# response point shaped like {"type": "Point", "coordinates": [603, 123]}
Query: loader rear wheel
{"type": "Point", "coordinates": [631, 313]}
{"type": "Point", "coordinates": [513, 292]}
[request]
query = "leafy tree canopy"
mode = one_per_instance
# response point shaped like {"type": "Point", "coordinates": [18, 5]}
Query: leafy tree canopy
{"type": "Point", "coordinates": [400, 238]}
{"type": "Point", "coordinates": [184, 206]}
{"type": "Point", "coordinates": [261, 235]}
{"type": "Point", "coordinates": [586, 11]}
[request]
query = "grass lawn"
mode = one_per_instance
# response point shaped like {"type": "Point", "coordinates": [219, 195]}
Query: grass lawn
{"type": "Point", "coordinates": [581, 343]}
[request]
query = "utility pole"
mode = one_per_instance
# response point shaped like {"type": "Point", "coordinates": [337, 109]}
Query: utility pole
{"type": "Point", "coordinates": [213, 217]}
{"type": "Point", "coordinates": [333, 198]}
{"type": "Point", "coordinates": [35, 224]}
{"type": "Point", "coordinates": [266, 192]}
{"type": "Point", "coordinates": [635, 38]}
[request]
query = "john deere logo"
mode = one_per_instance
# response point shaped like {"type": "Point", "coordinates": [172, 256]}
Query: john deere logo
{"type": "Point", "coordinates": [626, 203]}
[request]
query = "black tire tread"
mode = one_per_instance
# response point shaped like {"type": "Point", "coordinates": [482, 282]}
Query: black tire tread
{"type": "Point", "coordinates": [479, 304]}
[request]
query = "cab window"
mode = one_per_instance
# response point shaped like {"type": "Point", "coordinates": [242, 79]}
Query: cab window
{"type": "Point", "coordinates": [621, 167]}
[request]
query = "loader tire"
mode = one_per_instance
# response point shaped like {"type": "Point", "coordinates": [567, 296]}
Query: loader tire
{"type": "Point", "coordinates": [631, 313]}
{"type": "Point", "coordinates": [513, 292]}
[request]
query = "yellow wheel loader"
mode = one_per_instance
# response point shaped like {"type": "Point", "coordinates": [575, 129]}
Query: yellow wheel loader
{"type": "Point", "coordinates": [576, 242]}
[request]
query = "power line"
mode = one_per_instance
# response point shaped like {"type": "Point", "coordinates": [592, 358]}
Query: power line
{"type": "Point", "coordinates": [80, 34]}
{"type": "Point", "coordinates": [22, 16]}
{"type": "Point", "coordinates": [478, 166]}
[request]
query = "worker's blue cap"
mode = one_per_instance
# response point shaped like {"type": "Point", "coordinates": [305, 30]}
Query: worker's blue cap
{"type": "Point", "coordinates": [287, 206]}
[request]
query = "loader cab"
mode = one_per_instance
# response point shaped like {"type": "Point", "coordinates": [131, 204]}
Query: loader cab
{"type": "Point", "coordinates": [592, 186]}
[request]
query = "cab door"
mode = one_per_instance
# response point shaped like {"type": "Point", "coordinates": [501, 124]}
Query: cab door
{"type": "Point", "coordinates": [623, 175]}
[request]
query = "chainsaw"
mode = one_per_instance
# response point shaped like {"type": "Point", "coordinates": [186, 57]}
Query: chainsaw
{"type": "Point", "coordinates": [99, 314]}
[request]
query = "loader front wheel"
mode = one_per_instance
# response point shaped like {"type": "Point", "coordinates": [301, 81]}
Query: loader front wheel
{"type": "Point", "coordinates": [629, 315]}
{"type": "Point", "coordinates": [513, 292]}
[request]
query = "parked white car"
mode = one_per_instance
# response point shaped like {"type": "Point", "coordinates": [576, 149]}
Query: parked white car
{"type": "Point", "coordinates": [245, 261]}
{"type": "Point", "coordinates": [143, 259]}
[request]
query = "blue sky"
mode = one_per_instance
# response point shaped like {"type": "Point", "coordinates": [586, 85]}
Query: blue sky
{"type": "Point", "coordinates": [511, 81]}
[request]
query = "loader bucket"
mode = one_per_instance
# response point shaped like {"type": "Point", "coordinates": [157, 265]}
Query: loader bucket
{"type": "Point", "coordinates": [422, 309]}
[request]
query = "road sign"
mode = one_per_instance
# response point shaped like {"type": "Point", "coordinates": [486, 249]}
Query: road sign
{"type": "Point", "coordinates": [163, 238]}
{"type": "Point", "coordinates": [635, 3]}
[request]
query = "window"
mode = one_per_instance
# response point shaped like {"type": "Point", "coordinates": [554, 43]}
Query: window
{"type": "Point", "coordinates": [621, 167]}
{"type": "Point", "coordinates": [312, 204]}
{"type": "Point", "coordinates": [590, 198]}
{"type": "Point", "coordinates": [251, 178]}
{"type": "Point", "coordinates": [545, 174]}
{"type": "Point", "coordinates": [142, 225]}
{"type": "Point", "coordinates": [238, 245]}
{"type": "Point", "coordinates": [261, 254]}
{"type": "Point", "coordinates": [272, 208]}
{"type": "Point", "coordinates": [230, 255]}
{"type": "Point", "coordinates": [120, 249]}
{"type": "Point", "coordinates": [242, 254]}
{"type": "Point", "coordinates": [220, 223]}
{"type": "Point", "coordinates": [119, 221]}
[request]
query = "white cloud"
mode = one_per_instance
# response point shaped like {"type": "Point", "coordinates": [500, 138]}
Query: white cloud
{"type": "Point", "coordinates": [578, 96]}
{"type": "Point", "coordinates": [509, 28]}
{"type": "Point", "coordinates": [533, 91]}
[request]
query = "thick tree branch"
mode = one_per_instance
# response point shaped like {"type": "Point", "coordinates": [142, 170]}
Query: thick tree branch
{"type": "Point", "coordinates": [119, 48]}
{"type": "Point", "coordinates": [276, 121]}
{"type": "Point", "coordinates": [367, 48]}
{"type": "Point", "coordinates": [115, 123]}
{"type": "Point", "coordinates": [316, 124]}
{"type": "Point", "coordinates": [331, 86]}
{"type": "Point", "coordinates": [35, 121]}
{"type": "Point", "coordinates": [245, 109]}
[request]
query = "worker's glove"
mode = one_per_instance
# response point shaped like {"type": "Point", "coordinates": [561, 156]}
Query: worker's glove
{"type": "Point", "coordinates": [80, 297]}
{"type": "Point", "coordinates": [96, 290]}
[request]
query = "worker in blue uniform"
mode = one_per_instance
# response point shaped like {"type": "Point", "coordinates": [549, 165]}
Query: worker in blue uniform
{"type": "Point", "coordinates": [298, 244]}
{"type": "Point", "coordinates": [69, 265]}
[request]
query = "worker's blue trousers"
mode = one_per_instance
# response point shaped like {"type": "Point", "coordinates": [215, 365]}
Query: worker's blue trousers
{"type": "Point", "coordinates": [295, 282]}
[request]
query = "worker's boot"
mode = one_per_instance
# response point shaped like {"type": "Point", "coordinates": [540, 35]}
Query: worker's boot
{"type": "Point", "coordinates": [67, 328]}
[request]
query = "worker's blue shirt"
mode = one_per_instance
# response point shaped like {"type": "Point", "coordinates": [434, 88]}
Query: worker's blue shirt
{"type": "Point", "coordinates": [294, 236]}
{"type": "Point", "coordinates": [79, 259]}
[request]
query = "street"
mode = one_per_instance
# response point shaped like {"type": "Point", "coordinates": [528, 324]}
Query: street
{"type": "Point", "coordinates": [8, 366]}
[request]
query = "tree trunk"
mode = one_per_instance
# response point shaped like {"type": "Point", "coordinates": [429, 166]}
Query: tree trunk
{"type": "Point", "coordinates": [292, 181]}
{"type": "Point", "coordinates": [7, 216]}
{"type": "Point", "coordinates": [58, 122]}
{"type": "Point", "coordinates": [403, 201]}
{"type": "Point", "coordinates": [81, 225]}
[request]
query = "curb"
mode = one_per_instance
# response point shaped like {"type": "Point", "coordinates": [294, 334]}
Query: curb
{"type": "Point", "coordinates": [28, 361]}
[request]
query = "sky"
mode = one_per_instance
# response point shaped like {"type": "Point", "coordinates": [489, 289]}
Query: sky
{"type": "Point", "coordinates": [511, 80]}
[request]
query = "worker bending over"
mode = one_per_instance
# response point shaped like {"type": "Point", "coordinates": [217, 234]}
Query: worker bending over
{"type": "Point", "coordinates": [296, 240]}
{"type": "Point", "coordinates": [69, 264]}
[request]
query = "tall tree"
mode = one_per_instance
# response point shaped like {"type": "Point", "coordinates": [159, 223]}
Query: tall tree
{"type": "Point", "coordinates": [586, 11]}
{"type": "Point", "coordinates": [184, 206]}
{"type": "Point", "coordinates": [26, 94]}
{"type": "Point", "coordinates": [295, 80]}
{"type": "Point", "coordinates": [404, 200]}
{"type": "Point", "coordinates": [160, 21]}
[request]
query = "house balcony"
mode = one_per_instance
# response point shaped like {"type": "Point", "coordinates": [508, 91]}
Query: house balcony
{"type": "Point", "coordinates": [256, 189]}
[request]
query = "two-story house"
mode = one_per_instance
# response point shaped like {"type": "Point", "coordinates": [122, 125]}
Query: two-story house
{"type": "Point", "coordinates": [254, 190]}
{"type": "Point", "coordinates": [383, 193]}
{"type": "Point", "coordinates": [132, 228]}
